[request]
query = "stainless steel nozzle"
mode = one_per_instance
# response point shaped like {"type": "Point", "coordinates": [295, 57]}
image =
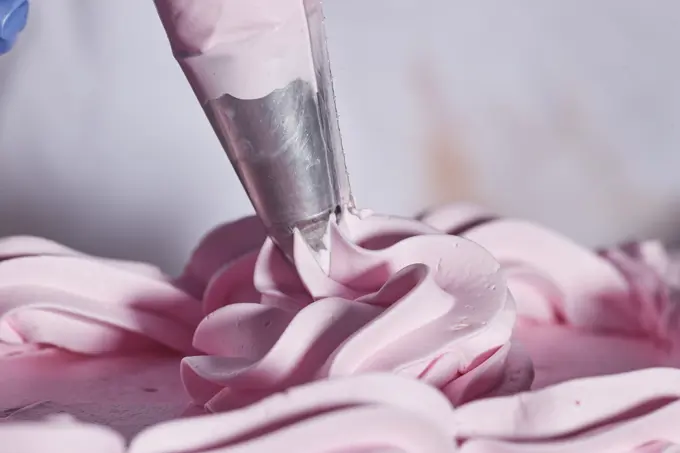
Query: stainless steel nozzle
{"type": "Point", "coordinates": [287, 151]}
{"type": "Point", "coordinates": [285, 143]}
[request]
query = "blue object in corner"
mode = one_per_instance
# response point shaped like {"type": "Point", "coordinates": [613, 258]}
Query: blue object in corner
{"type": "Point", "coordinates": [13, 18]}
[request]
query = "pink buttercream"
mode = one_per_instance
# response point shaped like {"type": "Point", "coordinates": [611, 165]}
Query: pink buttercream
{"type": "Point", "coordinates": [59, 435]}
{"type": "Point", "coordinates": [384, 412]}
{"type": "Point", "coordinates": [574, 417]}
{"type": "Point", "coordinates": [581, 312]}
{"type": "Point", "coordinates": [369, 413]}
{"type": "Point", "coordinates": [52, 295]}
{"type": "Point", "coordinates": [243, 48]}
{"type": "Point", "coordinates": [400, 297]}
{"type": "Point", "coordinates": [303, 346]}
{"type": "Point", "coordinates": [633, 412]}
{"type": "Point", "coordinates": [627, 289]}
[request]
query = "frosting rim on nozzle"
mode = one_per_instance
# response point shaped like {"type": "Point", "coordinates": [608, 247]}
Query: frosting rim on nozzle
{"type": "Point", "coordinates": [246, 49]}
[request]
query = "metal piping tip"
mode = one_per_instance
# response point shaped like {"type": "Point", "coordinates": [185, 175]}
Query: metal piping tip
{"type": "Point", "coordinates": [278, 147]}
{"type": "Point", "coordinates": [283, 139]}
{"type": "Point", "coordinates": [287, 151]}
{"type": "Point", "coordinates": [314, 232]}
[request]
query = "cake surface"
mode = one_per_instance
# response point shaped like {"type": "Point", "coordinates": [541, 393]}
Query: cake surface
{"type": "Point", "coordinates": [455, 331]}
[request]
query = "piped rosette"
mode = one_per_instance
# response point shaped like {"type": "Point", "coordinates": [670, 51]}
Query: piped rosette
{"type": "Point", "coordinates": [399, 297]}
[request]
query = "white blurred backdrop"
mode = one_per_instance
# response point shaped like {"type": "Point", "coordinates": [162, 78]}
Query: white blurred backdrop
{"type": "Point", "coordinates": [565, 112]}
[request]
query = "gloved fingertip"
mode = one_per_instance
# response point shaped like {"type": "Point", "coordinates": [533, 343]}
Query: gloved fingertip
{"type": "Point", "coordinates": [6, 45]}
{"type": "Point", "coordinates": [13, 18]}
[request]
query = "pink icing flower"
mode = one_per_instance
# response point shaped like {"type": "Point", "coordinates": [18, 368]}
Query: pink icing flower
{"type": "Point", "coordinates": [399, 297]}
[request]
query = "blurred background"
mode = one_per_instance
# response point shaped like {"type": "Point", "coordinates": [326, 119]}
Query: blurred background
{"type": "Point", "coordinates": [564, 112]}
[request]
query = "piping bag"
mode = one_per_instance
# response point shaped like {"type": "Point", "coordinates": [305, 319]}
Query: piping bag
{"type": "Point", "coordinates": [261, 71]}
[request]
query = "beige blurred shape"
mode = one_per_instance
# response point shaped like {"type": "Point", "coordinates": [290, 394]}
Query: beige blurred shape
{"type": "Point", "coordinates": [451, 174]}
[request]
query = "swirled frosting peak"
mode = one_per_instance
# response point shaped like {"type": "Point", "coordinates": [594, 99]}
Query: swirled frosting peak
{"type": "Point", "coordinates": [399, 297]}
{"type": "Point", "coordinates": [581, 312]}
{"type": "Point", "coordinates": [629, 289]}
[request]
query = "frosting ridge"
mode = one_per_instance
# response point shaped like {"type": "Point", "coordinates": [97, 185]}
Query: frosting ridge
{"type": "Point", "coordinates": [52, 295]}
{"type": "Point", "coordinates": [386, 412]}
